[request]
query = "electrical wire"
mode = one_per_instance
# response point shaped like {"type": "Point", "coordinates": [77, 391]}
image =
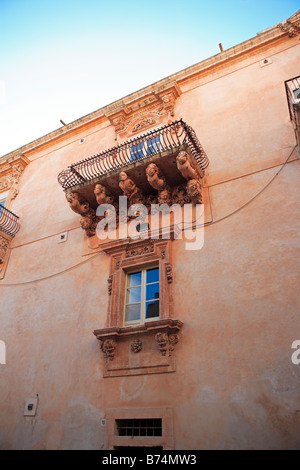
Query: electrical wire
{"type": "Point", "coordinates": [186, 228]}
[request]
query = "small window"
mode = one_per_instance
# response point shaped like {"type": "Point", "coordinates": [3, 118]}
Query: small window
{"type": "Point", "coordinates": [139, 427]}
{"type": "Point", "coordinates": [142, 296]}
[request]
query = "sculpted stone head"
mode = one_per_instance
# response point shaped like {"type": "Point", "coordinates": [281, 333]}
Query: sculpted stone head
{"type": "Point", "coordinates": [123, 176]}
{"type": "Point", "coordinates": [181, 157]}
{"type": "Point", "coordinates": [152, 169]}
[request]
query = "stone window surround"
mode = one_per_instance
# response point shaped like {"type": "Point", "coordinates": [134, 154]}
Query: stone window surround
{"type": "Point", "coordinates": [138, 255]}
{"type": "Point", "coordinates": [126, 348]}
{"type": "Point", "coordinates": [166, 441]}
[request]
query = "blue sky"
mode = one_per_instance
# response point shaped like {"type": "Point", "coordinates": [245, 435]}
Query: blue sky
{"type": "Point", "coordinates": [65, 59]}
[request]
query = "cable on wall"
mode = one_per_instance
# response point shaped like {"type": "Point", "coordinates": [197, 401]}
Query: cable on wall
{"type": "Point", "coordinates": [192, 227]}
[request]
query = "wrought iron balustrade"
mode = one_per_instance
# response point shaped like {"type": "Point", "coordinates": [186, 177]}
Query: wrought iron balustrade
{"type": "Point", "coordinates": [166, 138]}
{"type": "Point", "coordinates": [8, 222]}
{"type": "Point", "coordinates": [292, 88]}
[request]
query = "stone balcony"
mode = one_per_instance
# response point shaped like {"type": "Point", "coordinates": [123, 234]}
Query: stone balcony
{"type": "Point", "coordinates": [9, 227]}
{"type": "Point", "coordinates": [166, 165]}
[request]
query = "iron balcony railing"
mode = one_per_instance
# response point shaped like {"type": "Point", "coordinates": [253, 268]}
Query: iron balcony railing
{"type": "Point", "coordinates": [292, 88]}
{"type": "Point", "coordinates": [8, 222]}
{"type": "Point", "coordinates": [160, 140]}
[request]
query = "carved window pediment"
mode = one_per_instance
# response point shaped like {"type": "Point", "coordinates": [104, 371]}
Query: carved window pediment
{"type": "Point", "coordinates": [155, 108]}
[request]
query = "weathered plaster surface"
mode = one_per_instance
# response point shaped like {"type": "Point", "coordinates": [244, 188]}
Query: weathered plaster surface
{"type": "Point", "coordinates": [235, 386]}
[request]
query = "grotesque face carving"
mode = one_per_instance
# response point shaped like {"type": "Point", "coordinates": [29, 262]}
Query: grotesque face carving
{"type": "Point", "coordinates": [123, 176]}
{"type": "Point", "coordinates": [194, 191]}
{"type": "Point", "coordinates": [151, 170]}
{"type": "Point", "coordinates": [164, 197]}
{"type": "Point", "coordinates": [181, 158]}
{"type": "Point", "coordinates": [103, 196]}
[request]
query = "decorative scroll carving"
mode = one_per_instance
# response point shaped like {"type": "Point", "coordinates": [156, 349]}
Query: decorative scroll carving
{"type": "Point", "coordinates": [180, 196]}
{"type": "Point", "coordinates": [140, 248]}
{"type": "Point", "coordinates": [136, 345]}
{"type": "Point", "coordinates": [109, 284]}
{"type": "Point", "coordinates": [173, 339]}
{"type": "Point", "coordinates": [169, 273]}
{"type": "Point", "coordinates": [108, 347]}
{"type": "Point", "coordinates": [166, 343]}
{"type": "Point", "coordinates": [17, 171]}
{"type": "Point", "coordinates": [4, 184]}
{"type": "Point", "coordinates": [168, 104]}
{"type": "Point", "coordinates": [290, 28]}
{"type": "Point", "coordinates": [142, 113]}
{"type": "Point", "coordinates": [11, 173]}
{"type": "Point", "coordinates": [4, 243]}
{"type": "Point", "coordinates": [145, 122]}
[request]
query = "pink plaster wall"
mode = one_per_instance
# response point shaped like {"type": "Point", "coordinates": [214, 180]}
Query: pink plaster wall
{"type": "Point", "coordinates": [235, 386]}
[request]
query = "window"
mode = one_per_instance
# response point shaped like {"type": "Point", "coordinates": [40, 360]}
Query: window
{"type": "Point", "coordinates": [139, 427]}
{"type": "Point", "coordinates": [2, 203]}
{"type": "Point", "coordinates": [153, 146]}
{"type": "Point", "coordinates": [143, 428]}
{"type": "Point", "coordinates": [142, 295]}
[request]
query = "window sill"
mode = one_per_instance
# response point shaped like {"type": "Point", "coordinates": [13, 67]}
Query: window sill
{"type": "Point", "coordinates": [139, 349]}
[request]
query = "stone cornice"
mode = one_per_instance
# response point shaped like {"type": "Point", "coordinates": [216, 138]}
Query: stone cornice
{"type": "Point", "coordinates": [286, 29]}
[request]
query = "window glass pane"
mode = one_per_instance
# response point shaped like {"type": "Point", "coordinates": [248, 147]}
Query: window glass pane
{"type": "Point", "coordinates": [133, 312]}
{"type": "Point", "coordinates": [153, 145]}
{"type": "Point", "coordinates": [1, 205]}
{"type": "Point", "coordinates": [152, 309]}
{"type": "Point", "coordinates": [136, 151]}
{"type": "Point", "coordinates": [152, 291]}
{"type": "Point", "coordinates": [135, 279]}
{"type": "Point", "coordinates": [134, 295]}
{"type": "Point", "coordinates": [152, 275]}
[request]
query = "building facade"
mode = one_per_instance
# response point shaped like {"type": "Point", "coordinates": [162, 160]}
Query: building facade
{"type": "Point", "coordinates": [181, 334]}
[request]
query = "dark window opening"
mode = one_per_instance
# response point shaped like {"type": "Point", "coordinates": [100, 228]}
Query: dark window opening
{"type": "Point", "coordinates": [139, 427]}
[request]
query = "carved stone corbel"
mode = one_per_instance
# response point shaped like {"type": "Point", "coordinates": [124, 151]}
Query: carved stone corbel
{"type": "Point", "coordinates": [109, 284]}
{"type": "Point", "coordinates": [4, 244]}
{"type": "Point", "coordinates": [130, 189]}
{"type": "Point", "coordinates": [194, 191]}
{"type": "Point", "coordinates": [185, 166]}
{"type": "Point", "coordinates": [166, 343]}
{"type": "Point", "coordinates": [108, 347]}
{"type": "Point", "coordinates": [80, 206]}
{"type": "Point", "coordinates": [290, 28]}
{"type": "Point", "coordinates": [169, 273]}
{"type": "Point", "coordinates": [136, 346]}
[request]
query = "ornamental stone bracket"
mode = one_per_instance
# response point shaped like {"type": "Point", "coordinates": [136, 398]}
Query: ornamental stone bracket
{"type": "Point", "coordinates": [155, 108]}
{"type": "Point", "coordinates": [142, 349]}
{"type": "Point", "coordinates": [290, 28]}
{"type": "Point", "coordinates": [10, 174]}
{"type": "Point", "coordinates": [150, 188]}
{"type": "Point", "coordinates": [4, 247]}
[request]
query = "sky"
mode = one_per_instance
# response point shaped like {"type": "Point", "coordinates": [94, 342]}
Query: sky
{"type": "Point", "coordinates": [61, 60]}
